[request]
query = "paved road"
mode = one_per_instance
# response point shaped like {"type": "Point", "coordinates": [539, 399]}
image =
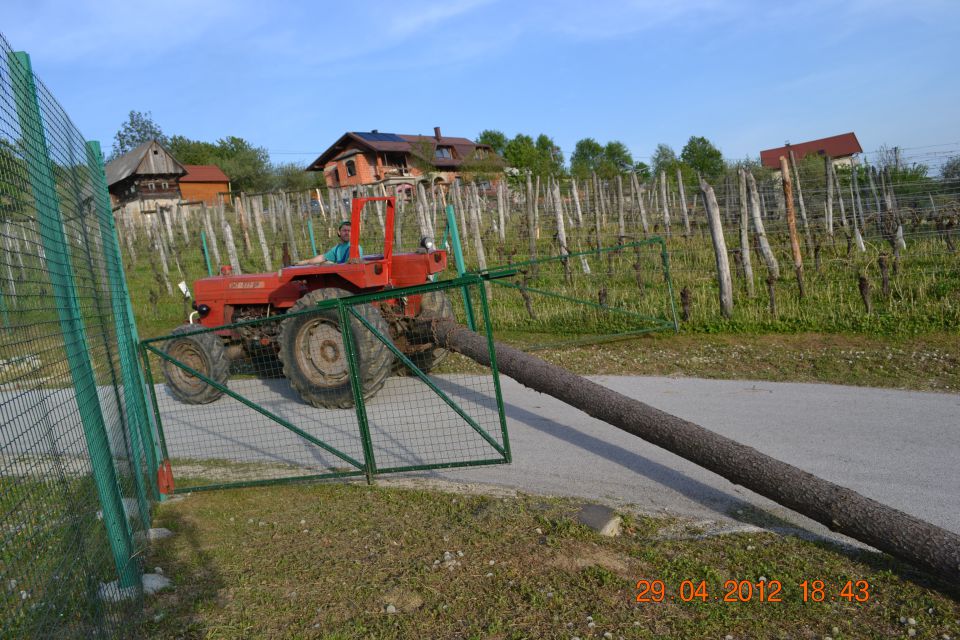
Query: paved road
{"type": "Point", "coordinates": [899, 447]}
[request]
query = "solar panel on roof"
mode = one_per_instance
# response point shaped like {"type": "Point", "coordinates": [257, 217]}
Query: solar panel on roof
{"type": "Point", "coordinates": [378, 137]}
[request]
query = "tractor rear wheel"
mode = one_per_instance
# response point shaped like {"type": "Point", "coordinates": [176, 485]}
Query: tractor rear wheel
{"type": "Point", "coordinates": [202, 352]}
{"type": "Point", "coordinates": [315, 360]}
{"type": "Point", "coordinates": [434, 305]}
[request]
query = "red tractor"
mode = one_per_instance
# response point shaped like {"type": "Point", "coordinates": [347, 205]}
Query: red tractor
{"type": "Point", "coordinates": [308, 349]}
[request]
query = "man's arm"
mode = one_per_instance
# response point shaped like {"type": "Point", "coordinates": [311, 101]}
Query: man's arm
{"type": "Point", "coordinates": [320, 259]}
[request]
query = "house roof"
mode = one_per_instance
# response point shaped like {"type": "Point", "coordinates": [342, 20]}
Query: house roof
{"type": "Point", "coordinates": [138, 160]}
{"type": "Point", "coordinates": [845, 144]}
{"type": "Point", "coordinates": [360, 141]}
{"type": "Point", "coordinates": [203, 173]}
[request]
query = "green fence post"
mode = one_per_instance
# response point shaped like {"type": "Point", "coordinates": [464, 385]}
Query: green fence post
{"type": "Point", "coordinates": [313, 240]}
{"type": "Point", "coordinates": [138, 422]}
{"type": "Point", "coordinates": [461, 266]}
{"type": "Point", "coordinates": [206, 253]}
{"type": "Point", "coordinates": [59, 265]}
{"type": "Point", "coordinates": [356, 384]}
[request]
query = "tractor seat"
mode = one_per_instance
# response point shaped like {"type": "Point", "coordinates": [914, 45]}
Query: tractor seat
{"type": "Point", "coordinates": [372, 257]}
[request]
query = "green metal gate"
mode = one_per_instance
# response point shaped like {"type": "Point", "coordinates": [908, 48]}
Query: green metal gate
{"type": "Point", "coordinates": [259, 431]}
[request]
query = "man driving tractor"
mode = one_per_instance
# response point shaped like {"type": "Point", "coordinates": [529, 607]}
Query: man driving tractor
{"type": "Point", "coordinates": [338, 254]}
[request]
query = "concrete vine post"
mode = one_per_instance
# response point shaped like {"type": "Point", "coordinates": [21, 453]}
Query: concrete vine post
{"type": "Point", "coordinates": [575, 194]}
{"type": "Point", "coordinates": [561, 233]}
{"type": "Point", "coordinates": [719, 248]}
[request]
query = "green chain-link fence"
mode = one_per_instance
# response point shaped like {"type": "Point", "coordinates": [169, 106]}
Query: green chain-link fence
{"type": "Point", "coordinates": [348, 386]}
{"type": "Point", "coordinates": [75, 443]}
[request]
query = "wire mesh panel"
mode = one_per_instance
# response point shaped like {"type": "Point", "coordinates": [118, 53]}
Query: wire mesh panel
{"type": "Point", "coordinates": [336, 386]}
{"type": "Point", "coordinates": [75, 482]}
{"type": "Point", "coordinates": [615, 291]}
{"type": "Point", "coordinates": [426, 417]}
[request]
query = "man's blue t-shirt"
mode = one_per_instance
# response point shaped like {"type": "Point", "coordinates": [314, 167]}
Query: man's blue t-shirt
{"type": "Point", "coordinates": [340, 253]}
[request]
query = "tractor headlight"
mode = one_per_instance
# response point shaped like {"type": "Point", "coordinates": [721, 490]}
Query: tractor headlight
{"type": "Point", "coordinates": [203, 310]}
{"type": "Point", "coordinates": [427, 243]}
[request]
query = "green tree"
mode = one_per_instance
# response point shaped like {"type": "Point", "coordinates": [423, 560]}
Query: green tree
{"type": "Point", "coordinates": [188, 151]}
{"type": "Point", "coordinates": [290, 176]}
{"type": "Point", "coordinates": [493, 138]}
{"type": "Point", "coordinates": [521, 153]}
{"type": "Point", "coordinates": [664, 159]}
{"type": "Point", "coordinates": [138, 128]}
{"type": "Point", "coordinates": [549, 156]}
{"type": "Point", "coordinates": [616, 159]}
{"type": "Point", "coordinates": [247, 166]}
{"type": "Point", "coordinates": [700, 155]}
{"type": "Point", "coordinates": [586, 158]}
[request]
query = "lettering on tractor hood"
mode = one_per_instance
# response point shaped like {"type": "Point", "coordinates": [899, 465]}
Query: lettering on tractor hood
{"type": "Point", "coordinates": [247, 284]}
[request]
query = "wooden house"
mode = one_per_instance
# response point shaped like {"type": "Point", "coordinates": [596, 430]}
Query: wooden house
{"type": "Point", "coordinates": [144, 179]}
{"type": "Point", "coordinates": [204, 183]}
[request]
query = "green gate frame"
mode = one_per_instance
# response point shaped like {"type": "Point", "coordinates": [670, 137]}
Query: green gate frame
{"type": "Point", "coordinates": [345, 308]}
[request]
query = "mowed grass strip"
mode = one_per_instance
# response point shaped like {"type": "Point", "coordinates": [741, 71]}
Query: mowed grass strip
{"type": "Point", "coordinates": [924, 363]}
{"type": "Point", "coordinates": [336, 560]}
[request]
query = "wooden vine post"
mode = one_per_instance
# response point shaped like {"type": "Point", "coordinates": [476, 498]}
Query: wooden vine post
{"type": "Point", "coordinates": [792, 222]}
{"type": "Point", "coordinates": [745, 234]}
{"type": "Point", "coordinates": [719, 248]}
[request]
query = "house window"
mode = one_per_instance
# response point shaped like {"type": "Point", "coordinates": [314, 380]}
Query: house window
{"type": "Point", "coordinates": [351, 168]}
{"type": "Point", "coordinates": [480, 154]}
{"type": "Point", "coordinates": [152, 186]}
{"type": "Point", "coordinates": [444, 153]}
{"type": "Point", "coordinates": [164, 185]}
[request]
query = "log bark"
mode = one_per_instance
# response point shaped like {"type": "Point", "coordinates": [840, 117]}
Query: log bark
{"type": "Point", "coordinates": [719, 248]}
{"type": "Point", "coordinates": [843, 510]}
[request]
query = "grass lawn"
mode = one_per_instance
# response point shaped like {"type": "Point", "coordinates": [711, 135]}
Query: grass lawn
{"type": "Point", "coordinates": [350, 561]}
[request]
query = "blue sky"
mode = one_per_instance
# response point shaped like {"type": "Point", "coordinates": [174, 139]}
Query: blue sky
{"type": "Point", "coordinates": [293, 76]}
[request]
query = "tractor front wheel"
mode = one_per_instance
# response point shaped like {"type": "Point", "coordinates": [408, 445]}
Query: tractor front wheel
{"type": "Point", "coordinates": [202, 352]}
{"type": "Point", "coordinates": [314, 357]}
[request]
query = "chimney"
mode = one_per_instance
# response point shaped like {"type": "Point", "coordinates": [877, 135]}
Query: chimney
{"type": "Point", "coordinates": [436, 133]}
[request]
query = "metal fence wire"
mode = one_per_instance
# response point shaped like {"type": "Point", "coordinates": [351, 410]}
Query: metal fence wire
{"type": "Point", "coordinates": [75, 477]}
{"type": "Point", "coordinates": [335, 387]}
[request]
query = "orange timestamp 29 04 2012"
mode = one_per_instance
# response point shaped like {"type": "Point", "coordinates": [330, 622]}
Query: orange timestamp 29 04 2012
{"type": "Point", "coordinates": [749, 591]}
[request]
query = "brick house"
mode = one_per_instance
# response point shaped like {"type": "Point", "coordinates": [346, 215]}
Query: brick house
{"type": "Point", "coordinates": [841, 150]}
{"type": "Point", "coordinates": [203, 183]}
{"type": "Point", "coordinates": [364, 158]}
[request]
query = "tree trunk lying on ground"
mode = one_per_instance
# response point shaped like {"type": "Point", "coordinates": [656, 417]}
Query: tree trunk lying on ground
{"type": "Point", "coordinates": [842, 510]}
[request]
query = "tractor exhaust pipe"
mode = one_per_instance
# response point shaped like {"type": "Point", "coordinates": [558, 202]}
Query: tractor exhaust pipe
{"type": "Point", "coordinates": [843, 510]}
